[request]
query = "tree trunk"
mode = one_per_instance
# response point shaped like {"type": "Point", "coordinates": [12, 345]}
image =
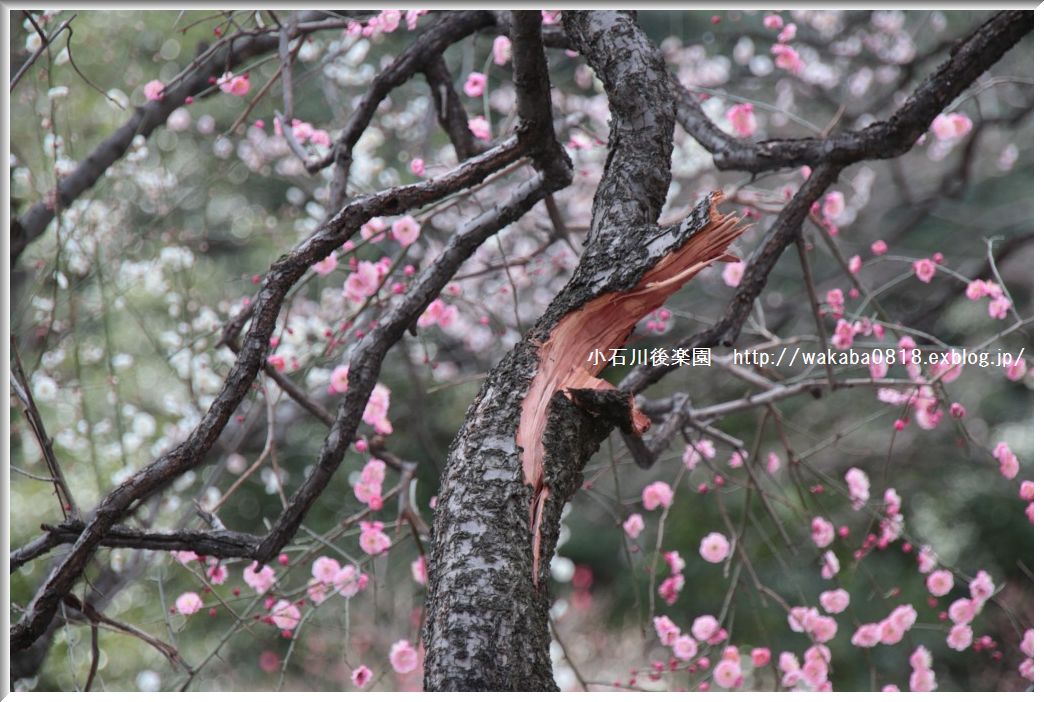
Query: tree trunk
{"type": "Point", "coordinates": [507, 479]}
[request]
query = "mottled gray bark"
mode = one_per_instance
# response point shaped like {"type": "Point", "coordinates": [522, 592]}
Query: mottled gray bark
{"type": "Point", "coordinates": [487, 608]}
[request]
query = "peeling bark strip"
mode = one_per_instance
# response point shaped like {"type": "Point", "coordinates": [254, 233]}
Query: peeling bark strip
{"type": "Point", "coordinates": [605, 323]}
{"type": "Point", "coordinates": [507, 479]}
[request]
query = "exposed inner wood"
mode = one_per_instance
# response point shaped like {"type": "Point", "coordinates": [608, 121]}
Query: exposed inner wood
{"type": "Point", "coordinates": [605, 323]}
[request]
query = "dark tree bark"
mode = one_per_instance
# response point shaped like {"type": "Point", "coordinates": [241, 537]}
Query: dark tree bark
{"type": "Point", "coordinates": [506, 479]}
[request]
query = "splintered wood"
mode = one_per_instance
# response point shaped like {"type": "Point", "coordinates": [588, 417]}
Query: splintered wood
{"type": "Point", "coordinates": [605, 323]}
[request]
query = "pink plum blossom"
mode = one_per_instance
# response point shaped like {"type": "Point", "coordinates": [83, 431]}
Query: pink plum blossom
{"type": "Point", "coordinates": [772, 22]}
{"type": "Point", "coordinates": [834, 601]}
{"type": "Point", "coordinates": [962, 611]}
{"type": "Point", "coordinates": [285, 615]}
{"type": "Point", "coordinates": [727, 674]}
{"type": "Point", "coordinates": [438, 312]}
{"type": "Point", "coordinates": [760, 657]}
{"type": "Point", "coordinates": [695, 453]}
{"type": "Point", "coordinates": [844, 335]}
{"type": "Point", "coordinates": [261, 580]}
{"type": "Point", "coordinates": [831, 566]}
{"type": "Point", "coordinates": [772, 463]}
{"type": "Point", "coordinates": [403, 657]}
{"type": "Point", "coordinates": [714, 547]}
{"type": "Point", "coordinates": [349, 581]}
{"type": "Point", "coordinates": [324, 569]}
{"type": "Point", "coordinates": [858, 487]}
{"type": "Point", "coordinates": [833, 204]}
{"type": "Point", "coordinates": [417, 167]}
{"type": "Point", "coordinates": [657, 494]}
{"type": "Point", "coordinates": [998, 307]}
{"type": "Point", "coordinates": [376, 412]}
{"type": "Point", "coordinates": [741, 117]}
{"type": "Point", "coordinates": [867, 636]}
{"type": "Point", "coordinates": [1026, 490]}
{"type": "Point", "coordinates": [922, 680]}
{"type": "Point", "coordinates": [787, 58]}
{"type": "Point", "coordinates": [405, 230]}
{"type": "Point", "coordinates": [1009, 463]}
{"type": "Point", "coordinates": [982, 587]}
{"type": "Point", "coordinates": [475, 85]}
{"type": "Point", "coordinates": [939, 582]}
{"type": "Point", "coordinates": [666, 630]}
{"type": "Point", "coordinates": [479, 126]}
{"type": "Point", "coordinates": [326, 266]}
{"type": "Point", "coordinates": [960, 637]}
{"type": "Point", "coordinates": [363, 283]}
{"type": "Point", "coordinates": [373, 540]}
{"type": "Point", "coordinates": [634, 525]}
{"type": "Point", "coordinates": [188, 603]}
{"type": "Point", "coordinates": [674, 562]}
{"type": "Point", "coordinates": [671, 587]}
{"type": "Point", "coordinates": [339, 379]}
{"type": "Point", "coordinates": [822, 532]}
{"type": "Point", "coordinates": [501, 50]}
{"type": "Point", "coordinates": [684, 647]}
{"type": "Point", "coordinates": [233, 84]}
{"type": "Point", "coordinates": [704, 627]}
{"type": "Point", "coordinates": [154, 90]}
{"type": "Point", "coordinates": [1026, 645]}
{"type": "Point", "coordinates": [924, 269]}
{"type": "Point", "coordinates": [419, 570]}
{"type": "Point", "coordinates": [952, 126]}
{"type": "Point", "coordinates": [361, 676]}
{"type": "Point", "coordinates": [732, 273]}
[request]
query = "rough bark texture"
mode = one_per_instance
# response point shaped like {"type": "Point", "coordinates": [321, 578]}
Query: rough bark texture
{"type": "Point", "coordinates": [506, 479]}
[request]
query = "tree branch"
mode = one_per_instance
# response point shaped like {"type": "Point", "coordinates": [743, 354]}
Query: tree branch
{"type": "Point", "coordinates": [283, 274]}
{"type": "Point", "coordinates": [881, 140]}
{"type": "Point", "coordinates": [194, 81]}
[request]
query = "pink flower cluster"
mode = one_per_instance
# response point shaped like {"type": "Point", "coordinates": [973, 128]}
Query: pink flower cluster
{"type": "Point", "coordinates": [999, 302]}
{"type": "Point", "coordinates": [888, 631]}
{"type": "Point", "coordinates": [1026, 493]}
{"type": "Point", "coordinates": [364, 282]}
{"type": "Point", "coordinates": [384, 22]}
{"type": "Point", "coordinates": [440, 313]}
{"type": "Point", "coordinates": [1026, 646]}
{"type": "Point", "coordinates": [1008, 462]}
{"type": "Point", "coordinates": [376, 412]}
{"type": "Point", "coordinates": [694, 453]}
{"type": "Point", "coordinates": [922, 679]}
{"type": "Point", "coordinates": [328, 575]}
{"type": "Point", "coordinates": [368, 488]}
{"type": "Point", "coordinates": [813, 673]}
